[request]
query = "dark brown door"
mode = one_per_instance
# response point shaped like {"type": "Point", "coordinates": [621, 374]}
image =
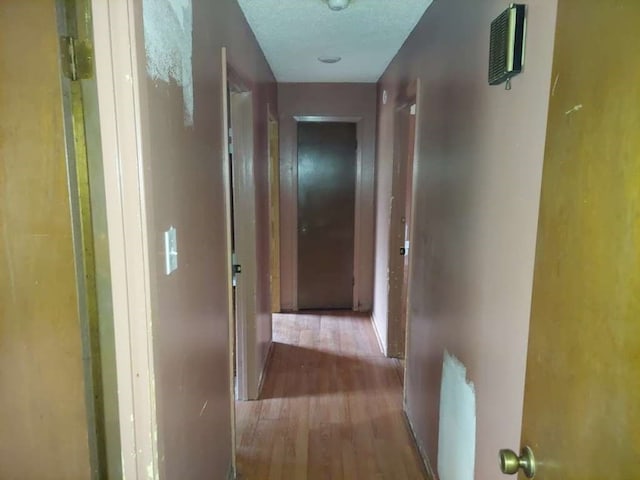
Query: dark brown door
{"type": "Point", "coordinates": [326, 214]}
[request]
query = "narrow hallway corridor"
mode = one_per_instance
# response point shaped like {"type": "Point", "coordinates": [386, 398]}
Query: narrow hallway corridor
{"type": "Point", "coordinates": [331, 406]}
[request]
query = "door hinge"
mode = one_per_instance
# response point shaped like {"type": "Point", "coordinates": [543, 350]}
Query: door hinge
{"type": "Point", "coordinates": [77, 58]}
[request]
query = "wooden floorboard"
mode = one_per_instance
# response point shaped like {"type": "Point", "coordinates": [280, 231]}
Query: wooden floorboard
{"type": "Point", "coordinates": [330, 408]}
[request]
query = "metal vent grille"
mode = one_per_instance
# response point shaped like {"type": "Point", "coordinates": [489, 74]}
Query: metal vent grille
{"type": "Point", "coordinates": [506, 47]}
{"type": "Point", "coordinates": [498, 47]}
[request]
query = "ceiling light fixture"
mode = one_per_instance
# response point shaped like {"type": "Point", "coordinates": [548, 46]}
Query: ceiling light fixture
{"type": "Point", "coordinates": [329, 59]}
{"type": "Point", "coordinates": [337, 5]}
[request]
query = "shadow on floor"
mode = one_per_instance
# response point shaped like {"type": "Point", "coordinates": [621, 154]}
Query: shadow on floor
{"type": "Point", "coordinates": [296, 371]}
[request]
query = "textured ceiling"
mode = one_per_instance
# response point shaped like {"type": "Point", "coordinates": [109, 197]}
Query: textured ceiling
{"type": "Point", "coordinates": [367, 35]}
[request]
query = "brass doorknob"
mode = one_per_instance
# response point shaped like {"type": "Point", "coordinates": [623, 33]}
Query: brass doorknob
{"type": "Point", "coordinates": [510, 462]}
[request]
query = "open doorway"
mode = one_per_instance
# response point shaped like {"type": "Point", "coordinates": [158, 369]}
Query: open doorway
{"type": "Point", "coordinates": [242, 234]}
{"type": "Point", "coordinates": [252, 232]}
{"type": "Point", "coordinates": [401, 220]}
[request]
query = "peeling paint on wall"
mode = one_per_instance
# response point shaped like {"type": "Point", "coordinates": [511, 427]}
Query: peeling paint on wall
{"type": "Point", "coordinates": [168, 40]}
{"type": "Point", "coordinates": [457, 436]}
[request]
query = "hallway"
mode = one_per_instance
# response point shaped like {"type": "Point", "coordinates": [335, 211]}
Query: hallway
{"type": "Point", "coordinates": [331, 406]}
{"type": "Point", "coordinates": [463, 174]}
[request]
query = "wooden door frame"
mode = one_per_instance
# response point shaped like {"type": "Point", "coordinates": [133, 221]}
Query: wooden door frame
{"type": "Point", "coordinates": [80, 205]}
{"type": "Point", "coordinates": [292, 207]}
{"type": "Point", "coordinates": [88, 208]}
{"type": "Point", "coordinates": [397, 326]}
{"type": "Point", "coordinates": [274, 207]}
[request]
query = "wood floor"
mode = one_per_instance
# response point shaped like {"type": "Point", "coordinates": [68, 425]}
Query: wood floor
{"type": "Point", "coordinates": [331, 407]}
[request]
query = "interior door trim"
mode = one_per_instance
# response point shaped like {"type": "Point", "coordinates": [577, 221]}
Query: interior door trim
{"type": "Point", "coordinates": [118, 44]}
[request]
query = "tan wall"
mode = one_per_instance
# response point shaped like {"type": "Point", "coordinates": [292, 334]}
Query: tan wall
{"type": "Point", "coordinates": [185, 188]}
{"type": "Point", "coordinates": [480, 152]}
{"type": "Point", "coordinates": [44, 422]}
{"type": "Point", "coordinates": [326, 99]}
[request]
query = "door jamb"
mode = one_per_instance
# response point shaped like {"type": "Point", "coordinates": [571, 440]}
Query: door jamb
{"type": "Point", "coordinates": [248, 377]}
{"type": "Point", "coordinates": [274, 208]}
{"type": "Point", "coordinates": [118, 43]}
{"type": "Point", "coordinates": [418, 98]}
{"type": "Point", "coordinates": [84, 172]}
{"type": "Point", "coordinates": [226, 174]}
{"type": "Point", "coordinates": [396, 339]}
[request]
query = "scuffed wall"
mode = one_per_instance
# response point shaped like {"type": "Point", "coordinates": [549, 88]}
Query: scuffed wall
{"type": "Point", "coordinates": [478, 174]}
{"type": "Point", "coordinates": [184, 186]}
{"type": "Point", "coordinates": [457, 434]}
{"type": "Point", "coordinates": [168, 31]}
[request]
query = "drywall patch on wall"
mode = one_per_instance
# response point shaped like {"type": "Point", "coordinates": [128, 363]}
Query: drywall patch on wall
{"type": "Point", "coordinates": [457, 436]}
{"type": "Point", "coordinates": [168, 41]}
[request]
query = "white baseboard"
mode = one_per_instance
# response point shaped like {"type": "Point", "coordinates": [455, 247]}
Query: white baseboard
{"type": "Point", "coordinates": [381, 344]}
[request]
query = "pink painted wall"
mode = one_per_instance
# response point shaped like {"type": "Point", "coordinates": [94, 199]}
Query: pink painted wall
{"type": "Point", "coordinates": [184, 187]}
{"type": "Point", "coordinates": [479, 165]}
{"type": "Point", "coordinates": [327, 99]}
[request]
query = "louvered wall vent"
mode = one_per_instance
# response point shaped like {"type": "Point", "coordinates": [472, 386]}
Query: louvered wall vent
{"type": "Point", "coordinates": [506, 49]}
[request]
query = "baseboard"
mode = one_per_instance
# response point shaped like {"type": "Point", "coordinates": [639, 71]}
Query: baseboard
{"type": "Point", "coordinates": [265, 367]}
{"type": "Point", "coordinates": [381, 344]}
{"type": "Point", "coordinates": [423, 455]}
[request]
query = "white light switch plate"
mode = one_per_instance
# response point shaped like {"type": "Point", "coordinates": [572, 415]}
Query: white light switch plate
{"type": "Point", "coordinates": [171, 250]}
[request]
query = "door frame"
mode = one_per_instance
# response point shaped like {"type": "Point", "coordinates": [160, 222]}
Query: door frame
{"type": "Point", "coordinates": [406, 99]}
{"type": "Point", "coordinates": [246, 370]}
{"type": "Point", "coordinates": [226, 175]}
{"type": "Point", "coordinates": [118, 42]}
{"type": "Point", "coordinates": [274, 208]}
{"type": "Point", "coordinates": [290, 209]}
{"type": "Point", "coordinates": [91, 251]}
{"type": "Point", "coordinates": [416, 85]}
